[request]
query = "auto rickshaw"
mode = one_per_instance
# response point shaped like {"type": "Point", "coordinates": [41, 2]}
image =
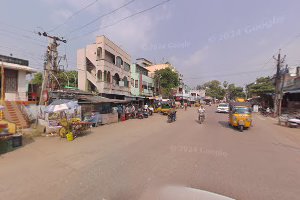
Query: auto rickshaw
{"type": "Point", "coordinates": [165, 108]}
{"type": "Point", "coordinates": [240, 115]}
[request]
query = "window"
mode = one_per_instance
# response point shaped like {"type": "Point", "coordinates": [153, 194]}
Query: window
{"type": "Point", "coordinates": [145, 85]}
{"type": "Point", "coordinates": [125, 81]}
{"type": "Point", "coordinates": [99, 53]}
{"type": "Point", "coordinates": [11, 80]}
{"type": "Point", "coordinates": [116, 79]}
{"type": "Point", "coordinates": [126, 67]}
{"type": "Point", "coordinates": [132, 82]}
{"type": "Point", "coordinates": [149, 86]}
{"type": "Point", "coordinates": [136, 84]}
{"type": "Point", "coordinates": [99, 75]}
{"type": "Point", "coordinates": [105, 76]}
{"type": "Point", "coordinates": [108, 77]}
{"type": "Point", "coordinates": [109, 57]}
{"type": "Point", "coordinates": [119, 61]}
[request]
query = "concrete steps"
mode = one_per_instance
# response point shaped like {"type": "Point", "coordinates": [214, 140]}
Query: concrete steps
{"type": "Point", "coordinates": [13, 113]}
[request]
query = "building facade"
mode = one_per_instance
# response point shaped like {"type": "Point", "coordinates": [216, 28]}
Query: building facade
{"type": "Point", "coordinates": [141, 83]}
{"type": "Point", "coordinates": [14, 82]}
{"type": "Point", "coordinates": [104, 68]}
{"type": "Point", "coordinates": [291, 90]}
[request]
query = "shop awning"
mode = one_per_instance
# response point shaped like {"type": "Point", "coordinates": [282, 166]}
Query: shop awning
{"type": "Point", "coordinates": [99, 99]}
{"type": "Point", "coordinates": [292, 91]}
{"type": "Point", "coordinates": [18, 67]}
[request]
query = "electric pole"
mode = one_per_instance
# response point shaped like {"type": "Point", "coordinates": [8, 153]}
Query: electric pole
{"type": "Point", "coordinates": [50, 65]}
{"type": "Point", "coordinates": [281, 88]}
{"type": "Point", "coordinates": [278, 95]}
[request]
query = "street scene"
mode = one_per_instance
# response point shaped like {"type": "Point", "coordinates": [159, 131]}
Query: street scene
{"type": "Point", "coordinates": [164, 99]}
{"type": "Point", "coordinates": [139, 158]}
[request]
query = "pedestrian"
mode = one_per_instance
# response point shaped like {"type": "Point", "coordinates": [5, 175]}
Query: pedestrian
{"type": "Point", "coordinates": [185, 106]}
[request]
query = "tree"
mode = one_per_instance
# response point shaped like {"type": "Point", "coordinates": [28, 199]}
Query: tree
{"type": "Point", "coordinates": [225, 84]}
{"type": "Point", "coordinates": [64, 78]}
{"type": "Point", "coordinates": [235, 92]}
{"type": "Point", "coordinates": [37, 79]}
{"type": "Point", "coordinates": [214, 89]}
{"type": "Point", "coordinates": [261, 87]}
{"type": "Point", "coordinates": [166, 80]}
{"type": "Point", "coordinates": [68, 77]}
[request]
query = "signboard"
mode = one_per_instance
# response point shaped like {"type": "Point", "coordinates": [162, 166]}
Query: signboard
{"type": "Point", "coordinates": [14, 60]}
{"type": "Point", "coordinates": [121, 83]}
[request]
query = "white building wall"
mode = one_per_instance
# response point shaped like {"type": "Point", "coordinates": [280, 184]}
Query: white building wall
{"type": "Point", "coordinates": [21, 94]}
{"type": "Point", "coordinates": [81, 68]}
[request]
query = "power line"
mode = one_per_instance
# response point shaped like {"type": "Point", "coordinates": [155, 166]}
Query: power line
{"type": "Point", "coordinates": [101, 16]}
{"type": "Point", "coordinates": [71, 16]}
{"type": "Point", "coordinates": [17, 34]}
{"type": "Point", "coordinates": [132, 15]}
{"type": "Point", "coordinates": [17, 27]}
{"type": "Point", "coordinates": [19, 38]}
{"type": "Point", "coordinates": [230, 74]}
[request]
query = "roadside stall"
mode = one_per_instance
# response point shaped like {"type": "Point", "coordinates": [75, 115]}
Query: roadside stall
{"type": "Point", "coordinates": [64, 116]}
{"type": "Point", "coordinates": [105, 107]}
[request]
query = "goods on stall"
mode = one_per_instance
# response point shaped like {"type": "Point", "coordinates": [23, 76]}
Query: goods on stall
{"type": "Point", "coordinates": [70, 136]}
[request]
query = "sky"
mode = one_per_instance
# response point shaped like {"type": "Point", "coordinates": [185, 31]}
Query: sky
{"type": "Point", "coordinates": [228, 40]}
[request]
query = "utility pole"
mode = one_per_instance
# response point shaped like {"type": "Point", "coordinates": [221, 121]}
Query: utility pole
{"type": "Point", "coordinates": [278, 97]}
{"type": "Point", "coordinates": [51, 65]}
{"type": "Point", "coordinates": [281, 89]}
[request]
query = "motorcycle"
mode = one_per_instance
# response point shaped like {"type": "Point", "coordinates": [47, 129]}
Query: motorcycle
{"type": "Point", "coordinates": [201, 118]}
{"type": "Point", "coordinates": [139, 115]}
{"type": "Point", "coordinates": [145, 113]}
{"type": "Point", "coordinates": [151, 110]}
{"type": "Point", "coordinates": [171, 117]}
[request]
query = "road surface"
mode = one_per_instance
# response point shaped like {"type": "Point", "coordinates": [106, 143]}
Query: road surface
{"type": "Point", "coordinates": [132, 159]}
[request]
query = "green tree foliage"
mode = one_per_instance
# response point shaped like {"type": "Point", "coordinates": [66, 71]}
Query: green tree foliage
{"type": "Point", "coordinates": [225, 84]}
{"type": "Point", "coordinates": [37, 79]}
{"type": "Point", "coordinates": [214, 89]}
{"type": "Point", "coordinates": [63, 78]}
{"type": "Point", "coordinates": [262, 86]}
{"type": "Point", "coordinates": [71, 76]}
{"type": "Point", "coordinates": [166, 79]}
{"type": "Point", "coordinates": [235, 92]}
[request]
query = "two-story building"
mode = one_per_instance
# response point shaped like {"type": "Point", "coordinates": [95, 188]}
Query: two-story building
{"type": "Point", "coordinates": [291, 90]}
{"type": "Point", "coordinates": [141, 82]}
{"type": "Point", "coordinates": [104, 68]}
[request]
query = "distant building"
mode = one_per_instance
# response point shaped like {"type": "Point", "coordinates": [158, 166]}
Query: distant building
{"type": "Point", "coordinates": [196, 95]}
{"type": "Point", "coordinates": [181, 90]}
{"type": "Point", "coordinates": [15, 87]}
{"type": "Point", "coordinates": [104, 67]}
{"type": "Point", "coordinates": [291, 90]}
{"type": "Point", "coordinates": [141, 83]}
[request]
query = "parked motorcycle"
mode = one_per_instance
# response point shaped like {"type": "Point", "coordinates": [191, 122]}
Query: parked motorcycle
{"type": "Point", "coordinates": [139, 115]}
{"type": "Point", "coordinates": [150, 110]}
{"type": "Point", "coordinates": [145, 113]}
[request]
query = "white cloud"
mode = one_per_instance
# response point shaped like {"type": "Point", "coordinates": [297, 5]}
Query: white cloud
{"type": "Point", "coordinates": [59, 16]}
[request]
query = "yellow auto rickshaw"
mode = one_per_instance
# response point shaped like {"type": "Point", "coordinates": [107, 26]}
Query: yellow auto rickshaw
{"type": "Point", "coordinates": [240, 115]}
{"type": "Point", "coordinates": [165, 108]}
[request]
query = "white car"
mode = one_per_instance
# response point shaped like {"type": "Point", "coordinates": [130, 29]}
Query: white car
{"type": "Point", "coordinates": [223, 108]}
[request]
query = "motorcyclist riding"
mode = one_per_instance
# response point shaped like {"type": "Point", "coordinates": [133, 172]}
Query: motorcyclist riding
{"type": "Point", "coordinates": [201, 112]}
{"type": "Point", "coordinates": [172, 114]}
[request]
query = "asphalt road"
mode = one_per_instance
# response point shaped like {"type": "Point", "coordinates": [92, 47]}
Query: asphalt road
{"type": "Point", "coordinates": [136, 158]}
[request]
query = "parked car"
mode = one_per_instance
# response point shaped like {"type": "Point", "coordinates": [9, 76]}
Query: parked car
{"type": "Point", "coordinates": [223, 108]}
